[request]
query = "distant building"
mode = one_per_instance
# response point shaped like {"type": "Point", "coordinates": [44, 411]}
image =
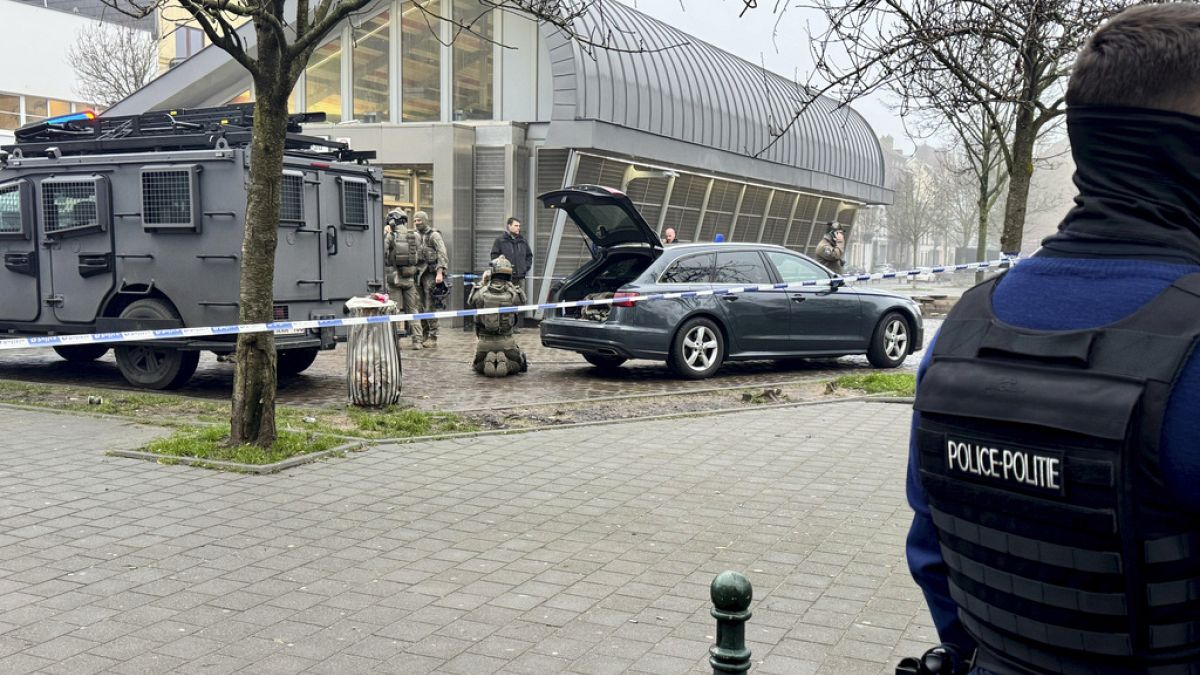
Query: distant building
{"type": "Point", "coordinates": [37, 80]}
{"type": "Point", "coordinates": [472, 131]}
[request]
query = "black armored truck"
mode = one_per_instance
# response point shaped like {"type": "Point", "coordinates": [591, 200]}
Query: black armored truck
{"type": "Point", "coordinates": [133, 223]}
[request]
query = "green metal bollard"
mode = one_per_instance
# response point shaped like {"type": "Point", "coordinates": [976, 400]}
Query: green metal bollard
{"type": "Point", "coordinates": [731, 595]}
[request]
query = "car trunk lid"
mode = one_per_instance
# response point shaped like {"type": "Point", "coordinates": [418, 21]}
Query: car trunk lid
{"type": "Point", "coordinates": [604, 215]}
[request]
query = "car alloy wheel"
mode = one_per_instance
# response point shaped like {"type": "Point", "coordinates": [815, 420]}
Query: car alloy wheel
{"type": "Point", "coordinates": [890, 342]}
{"type": "Point", "coordinates": [700, 348]}
{"type": "Point", "coordinates": [895, 339]}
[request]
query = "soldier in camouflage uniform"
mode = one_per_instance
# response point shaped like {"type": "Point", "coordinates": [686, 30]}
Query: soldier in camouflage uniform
{"type": "Point", "coordinates": [400, 249]}
{"type": "Point", "coordinates": [496, 350]}
{"type": "Point", "coordinates": [433, 261]}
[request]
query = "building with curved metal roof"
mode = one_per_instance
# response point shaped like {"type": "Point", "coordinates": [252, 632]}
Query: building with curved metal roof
{"type": "Point", "coordinates": [471, 127]}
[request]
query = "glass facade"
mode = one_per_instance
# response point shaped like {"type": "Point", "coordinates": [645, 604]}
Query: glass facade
{"type": "Point", "coordinates": [473, 61]}
{"type": "Point", "coordinates": [10, 111]}
{"type": "Point", "coordinates": [370, 54]}
{"type": "Point", "coordinates": [323, 81]}
{"type": "Point", "coordinates": [421, 62]}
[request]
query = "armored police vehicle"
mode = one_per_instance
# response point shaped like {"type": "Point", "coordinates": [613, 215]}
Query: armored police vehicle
{"type": "Point", "coordinates": [133, 223]}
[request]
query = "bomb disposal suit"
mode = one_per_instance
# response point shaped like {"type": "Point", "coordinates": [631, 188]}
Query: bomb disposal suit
{"type": "Point", "coordinates": [496, 350]}
{"type": "Point", "coordinates": [1039, 454]}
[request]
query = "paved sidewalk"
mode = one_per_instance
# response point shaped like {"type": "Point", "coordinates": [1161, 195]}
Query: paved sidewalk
{"type": "Point", "coordinates": [573, 550]}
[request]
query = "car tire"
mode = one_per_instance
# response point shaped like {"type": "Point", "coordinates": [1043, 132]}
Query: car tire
{"type": "Point", "coordinates": [295, 361]}
{"type": "Point", "coordinates": [697, 350]}
{"type": "Point", "coordinates": [81, 353]}
{"type": "Point", "coordinates": [605, 363]}
{"type": "Point", "coordinates": [154, 366]}
{"type": "Point", "coordinates": [891, 341]}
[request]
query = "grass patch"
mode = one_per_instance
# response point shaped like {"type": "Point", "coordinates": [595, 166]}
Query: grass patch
{"type": "Point", "coordinates": [209, 443]}
{"type": "Point", "coordinates": [402, 423]}
{"type": "Point", "coordinates": [163, 408]}
{"type": "Point", "coordinates": [896, 384]}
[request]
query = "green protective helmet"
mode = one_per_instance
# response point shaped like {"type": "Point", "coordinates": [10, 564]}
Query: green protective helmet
{"type": "Point", "coordinates": [502, 268]}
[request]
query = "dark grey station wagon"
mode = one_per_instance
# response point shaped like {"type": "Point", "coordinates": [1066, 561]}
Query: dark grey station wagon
{"type": "Point", "coordinates": [695, 335]}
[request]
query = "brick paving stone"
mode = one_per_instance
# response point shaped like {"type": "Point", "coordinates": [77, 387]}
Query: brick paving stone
{"type": "Point", "coordinates": [557, 551]}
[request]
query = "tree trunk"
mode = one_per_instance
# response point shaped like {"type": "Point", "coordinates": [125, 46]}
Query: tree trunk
{"type": "Point", "coordinates": [255, 380]}
{"type": "Point", "coordinates": [981, 205]}
{"type": "Point", "coordinates": [1020, 173]}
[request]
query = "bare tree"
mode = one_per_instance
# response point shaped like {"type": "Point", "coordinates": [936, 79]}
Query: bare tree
{"type": "Point", "coordinates": [112, 61]}
{"type": "Point", "coordinates": [914, 215]}
{"type": "Point", "coordinates": [986, 56]}
{"type": "Point", "coordinates": [285, 34]}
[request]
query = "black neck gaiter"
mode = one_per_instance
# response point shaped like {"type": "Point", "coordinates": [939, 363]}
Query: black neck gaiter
{"type": "Point", "coordinates": [1138, 175]}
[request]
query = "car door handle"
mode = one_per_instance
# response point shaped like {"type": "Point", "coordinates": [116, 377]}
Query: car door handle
{"type": "Point", "coordinates": [729, 298]}
{"type": "Point", "coordinates": [798, 298]}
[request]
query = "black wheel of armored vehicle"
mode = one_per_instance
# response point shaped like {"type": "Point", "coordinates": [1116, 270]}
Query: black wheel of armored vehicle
{"type": "Point", "coordinates": [295, 361]}
{"type": "Point", "coordinates": [154, 366]}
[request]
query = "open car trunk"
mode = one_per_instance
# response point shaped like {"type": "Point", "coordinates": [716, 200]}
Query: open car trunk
{"type": "Point", "coordinates": [603, 277]}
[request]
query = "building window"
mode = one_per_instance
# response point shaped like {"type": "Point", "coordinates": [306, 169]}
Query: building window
{"type": "Point", "coordinates": [371, 69]}
{"type": "Point", "coordinates": [323, 81]}
{"type": "Point", "coordinates": [472, 61]}
{"type": "Point", "coordinates": [422, 62]}
{"type": "Point", "coordinates": [188, 41]}
{"type": "Point", "coordinates": [10, 111]}
{"type": "Point", "coordinates": [58, 108]}
{"type": "Point", "coordinates": [35, 109]}
{"type": "Point", "coordinates": [246, 96]}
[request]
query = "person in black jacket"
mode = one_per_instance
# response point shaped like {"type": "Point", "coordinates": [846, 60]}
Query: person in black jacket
{"type": "Point", "coordinates": [513, 246]}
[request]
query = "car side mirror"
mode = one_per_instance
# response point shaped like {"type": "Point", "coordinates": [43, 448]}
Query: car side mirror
{"type": "Point", "coordinates": [836, 283]}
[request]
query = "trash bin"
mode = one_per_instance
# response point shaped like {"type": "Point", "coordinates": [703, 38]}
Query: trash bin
{"type": "Point", "coordinates": [373, 370]}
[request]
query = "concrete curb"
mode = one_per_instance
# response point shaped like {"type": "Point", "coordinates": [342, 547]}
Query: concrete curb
{"type": "Point", "coordinates": [237, 466]}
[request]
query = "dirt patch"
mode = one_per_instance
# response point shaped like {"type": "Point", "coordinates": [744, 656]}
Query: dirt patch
{"type": "Point", "coordinates": [523, 417]}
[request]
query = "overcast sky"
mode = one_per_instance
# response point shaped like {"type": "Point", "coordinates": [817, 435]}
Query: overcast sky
{"type": "Point", "coordinates": [750, 37]}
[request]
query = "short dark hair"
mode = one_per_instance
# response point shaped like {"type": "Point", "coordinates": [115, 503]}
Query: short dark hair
{"type": "Point", "coordinates": [512, 219]}
{"type": "Point", "coordinates": [1147, 56]}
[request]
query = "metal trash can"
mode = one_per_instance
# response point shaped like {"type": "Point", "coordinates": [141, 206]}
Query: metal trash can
{"type": "Point", "coordinates": [373, 370]}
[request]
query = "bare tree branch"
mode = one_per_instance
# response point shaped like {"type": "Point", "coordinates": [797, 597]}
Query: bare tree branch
{"type": "Point", "coordinates": [112, 61]}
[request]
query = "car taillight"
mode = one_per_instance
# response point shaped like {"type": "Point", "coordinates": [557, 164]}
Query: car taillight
{"type": "Point", "coordinates": [627, 303]}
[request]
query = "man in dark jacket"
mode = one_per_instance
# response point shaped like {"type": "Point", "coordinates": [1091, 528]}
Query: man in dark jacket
{"type": "Point", "coordinates": [513, 246]}
{"type": "Point", "coordinates": [1056, 447]}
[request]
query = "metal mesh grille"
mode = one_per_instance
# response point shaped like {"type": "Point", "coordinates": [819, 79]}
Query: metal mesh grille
{"type": "Point", "coordinates": [167, 197]}
{"type": "Point", "coordinates": [10, 209]}
{"type": "Point", "coordinates": [69, 205]}
{"type": "Point", "coordinates": [291, 206]}
{"type": "Point", "coordinates": [354, 203]}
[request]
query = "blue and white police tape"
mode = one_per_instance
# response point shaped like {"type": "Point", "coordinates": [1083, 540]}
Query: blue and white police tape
{"type": "Point", "coordinates": [278, 326]}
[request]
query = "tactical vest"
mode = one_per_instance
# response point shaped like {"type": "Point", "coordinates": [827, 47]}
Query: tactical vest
{"type": "Point", "coordinates": [492, 296]}
{"type": "Point", "coordinates": [1039, 453]}
{"type": "Point", "coordinates": [427, 253]}
{"type": "Point", "coordinates": [402, 249]}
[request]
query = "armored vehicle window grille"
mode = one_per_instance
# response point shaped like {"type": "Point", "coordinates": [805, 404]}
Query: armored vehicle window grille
{"type": "Point", "coordinates": [291, 207]}
{"type": "Point", "coordinates": [167, 197]}
{"type": "Point", "coordinates": [354, 203]}
{"type": "Point", "coordinates": [69, 205]}
{"type": "Point", "coordinates": [10, 209]}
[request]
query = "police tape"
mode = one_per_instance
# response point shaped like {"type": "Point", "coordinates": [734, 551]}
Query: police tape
{"type": "Point", "coordinates": [314, 324]}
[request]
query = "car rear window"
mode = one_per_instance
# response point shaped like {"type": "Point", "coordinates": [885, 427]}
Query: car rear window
{"type": "Point", "coordinates": [694, 269]}
{"type": "Point", "coordinates": [741, 267]}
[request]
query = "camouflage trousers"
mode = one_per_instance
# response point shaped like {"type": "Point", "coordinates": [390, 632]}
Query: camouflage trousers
{"type": "Point", "coordinates": [498, 356]}
{"type": "Point", "coordinates": [425, 329]}
{"type": "Point", "coordinates": [408, 301]}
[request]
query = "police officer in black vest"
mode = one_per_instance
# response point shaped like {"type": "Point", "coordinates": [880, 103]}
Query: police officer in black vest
{"type": "Point", "coordinates": [1056, 441]}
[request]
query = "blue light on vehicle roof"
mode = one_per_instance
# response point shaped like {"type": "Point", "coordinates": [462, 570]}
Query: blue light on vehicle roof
{"type": "Point", "coordinates": [73, 117]}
